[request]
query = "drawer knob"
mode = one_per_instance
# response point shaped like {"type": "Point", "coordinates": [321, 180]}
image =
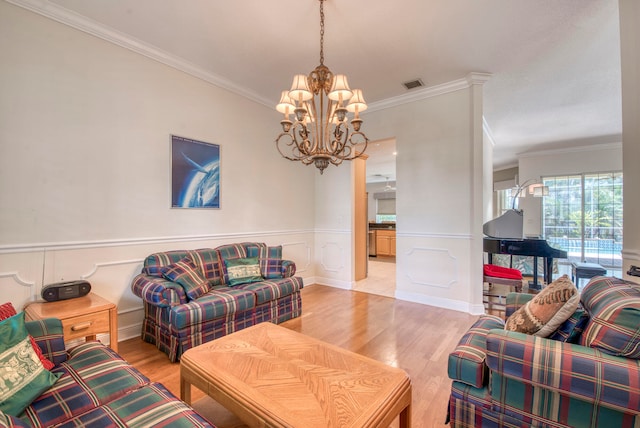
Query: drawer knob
{"type": "Point", "coordinates": [82, 326]}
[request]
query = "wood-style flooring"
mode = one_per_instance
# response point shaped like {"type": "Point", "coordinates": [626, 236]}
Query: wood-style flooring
{"type": "Point", "coordinates": [411, 336]}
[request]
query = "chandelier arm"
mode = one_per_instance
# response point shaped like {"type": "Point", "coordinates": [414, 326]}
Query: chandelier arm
{"type": "Point", "coordinates": [299, 147]}
{"type": "Point", "coordinates": [326, 130]}
{"type": "Point", "coordinates": [303, 145]}
{"type": "Point", "coordinates": [341, 138]}
{"type": "Point", "coordinates": [315, 123]}
{"type": "Point", "coordinates": [291, 143]}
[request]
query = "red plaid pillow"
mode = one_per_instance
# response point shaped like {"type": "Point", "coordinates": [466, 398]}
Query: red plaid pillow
{"type": "Point", "coordinates": [6, 311]}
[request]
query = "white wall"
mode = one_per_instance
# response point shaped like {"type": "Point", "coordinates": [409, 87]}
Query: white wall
{"type": "Point", "coordinates": [85, 131]}
{"type": "Point", "coordinates": [487, 178]}
{"type": "Point", "coordinates": [439, 162]}
{"type": "Point", "coordinates": [334, 229]}
{"type": "Point", "coordinates": [630, 54]}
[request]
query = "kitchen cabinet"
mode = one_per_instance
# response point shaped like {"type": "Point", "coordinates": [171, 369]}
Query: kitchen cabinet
{"type": "Point", "coordinates": [386, 242]}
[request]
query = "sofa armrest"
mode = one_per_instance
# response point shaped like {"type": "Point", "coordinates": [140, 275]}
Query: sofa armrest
{"type": "Point", "coordinates": [568, 369]}
{"type": "Point", "coordinates": [158, 291]}
{"type": "Point", "coordinates": [272, 268]}
{"type": "Point", "coordinates": [288, 268]}
{"type": "Point", "coordinates": [49, 336]}
{"type": "Point", "coordinates": [467, 361]}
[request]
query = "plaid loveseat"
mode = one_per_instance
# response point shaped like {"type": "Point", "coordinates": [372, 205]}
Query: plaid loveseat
{"type": "Point", "coordinates": [585, 374]}
{"type": "Point", "coordinates": [97, 388]}
{"type": "Point", "coordinates": [178, 318]}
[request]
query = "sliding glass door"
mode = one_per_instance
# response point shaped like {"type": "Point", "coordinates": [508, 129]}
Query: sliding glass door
{"type": "Point", "coordinates": [583, 215]}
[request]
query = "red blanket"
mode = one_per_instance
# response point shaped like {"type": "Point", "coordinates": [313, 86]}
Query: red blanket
{"type": "Point", "coordinates": [502, 272]}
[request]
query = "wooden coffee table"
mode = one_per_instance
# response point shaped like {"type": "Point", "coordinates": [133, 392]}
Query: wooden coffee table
{"type": "Point", "coordinates": [270, 376]}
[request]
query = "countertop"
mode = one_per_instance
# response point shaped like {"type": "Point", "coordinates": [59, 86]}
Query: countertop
{"type": "Point", "coordinates": [384, 226]}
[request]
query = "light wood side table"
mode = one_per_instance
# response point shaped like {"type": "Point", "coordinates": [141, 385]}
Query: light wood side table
{"type": "Point", "coordinates": [81, 317]}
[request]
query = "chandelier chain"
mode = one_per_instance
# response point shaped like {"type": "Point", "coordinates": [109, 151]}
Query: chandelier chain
{"type": "Point", "coordinates": [321, 32]}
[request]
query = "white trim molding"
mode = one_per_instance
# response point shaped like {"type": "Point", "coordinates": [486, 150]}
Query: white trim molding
{"type": "Point", "coordinates": [16, 277]}
{"type": "Point", "coordinates": [455, 305]}
{"type": "Point", "coordinates": [75, 245]}
{"type": "Point", "coordinates": [432, 91]}
{"type": "Point", "coordinates": [89, 26]}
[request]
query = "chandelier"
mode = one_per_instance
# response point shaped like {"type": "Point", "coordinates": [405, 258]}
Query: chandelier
{"type": "Point", "coordinates": [321, 131]}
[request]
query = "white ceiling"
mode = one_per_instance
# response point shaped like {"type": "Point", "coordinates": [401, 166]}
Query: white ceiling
{"type": "Point", "coordinates": [554, 64]}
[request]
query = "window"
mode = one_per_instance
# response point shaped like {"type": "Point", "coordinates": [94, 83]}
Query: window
{"type": "Point", "coordinates": [583, 216]}
{"type": "Point", "coordinates": [503, 201]}
{"type": "Point", "coordinates": [385, 218]}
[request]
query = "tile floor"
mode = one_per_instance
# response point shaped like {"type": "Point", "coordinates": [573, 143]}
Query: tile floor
{"type": "Point", "coordinates": [381, 277]}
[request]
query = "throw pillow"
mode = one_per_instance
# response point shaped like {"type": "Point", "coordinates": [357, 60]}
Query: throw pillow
{"type": "Point", "coordinates": [571, 330]}
{"type": "Point", "coordinates": [243, 270]}
{"type": "Point", "coordinates": [273, 268]}
{"type": "Point", "coordinates": [614, 306]}
{"type": "Point", "coordinates": [186, 274]}
{"type": "Point", "coordinates": [275, 252]}
{"type": "Point", "coordinates": [22, 376]}
{"type": "Point", "coordinates": [7, 310]}
{"type": "Point", "coordinates": [543, 314]}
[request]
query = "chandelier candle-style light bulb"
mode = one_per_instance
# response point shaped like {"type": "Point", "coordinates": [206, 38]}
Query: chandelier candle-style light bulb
{"type": "Point", "coordinates": [321, 132]}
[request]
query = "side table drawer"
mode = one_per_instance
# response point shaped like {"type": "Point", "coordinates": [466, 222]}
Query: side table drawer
{"type": "Point", "coordinates": [86, 325]}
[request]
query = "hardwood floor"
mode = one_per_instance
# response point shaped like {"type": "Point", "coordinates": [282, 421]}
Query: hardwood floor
{"type": "Point", "coordinates": [411, 336]}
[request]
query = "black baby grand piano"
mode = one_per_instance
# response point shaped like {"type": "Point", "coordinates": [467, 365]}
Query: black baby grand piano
{"type": "Point", "coordinates": [505, 236]}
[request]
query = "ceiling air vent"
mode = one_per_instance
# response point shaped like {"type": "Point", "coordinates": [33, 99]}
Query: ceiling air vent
{"type": "Point", "coordinates": [413, 84]}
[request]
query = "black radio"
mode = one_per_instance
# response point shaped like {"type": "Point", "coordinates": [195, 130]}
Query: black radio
{"type": "Point", "coordinates": [65, 290]}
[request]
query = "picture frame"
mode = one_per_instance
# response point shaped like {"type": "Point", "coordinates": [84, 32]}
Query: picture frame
{"type": "Point", "coordinates": [195, 174]}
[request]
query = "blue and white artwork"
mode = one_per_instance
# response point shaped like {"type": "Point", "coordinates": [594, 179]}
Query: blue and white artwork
{"type": "Point", "coordinates": [195, 168]}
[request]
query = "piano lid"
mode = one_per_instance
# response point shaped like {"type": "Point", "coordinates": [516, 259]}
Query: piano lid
{"type": "Point", "coordinates": [508, 226]}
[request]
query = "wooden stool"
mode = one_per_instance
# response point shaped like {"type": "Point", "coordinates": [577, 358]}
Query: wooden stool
{"type": "Point", "coordinates": [497, 287]}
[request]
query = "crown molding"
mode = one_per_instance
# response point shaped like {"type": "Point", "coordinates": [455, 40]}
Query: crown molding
{"type": "Point", "coordinates": [575, 149]}
{"type": "Point", "coordinates": [89, 26]}
{"type": "Point", "coordinates": [432, 91]}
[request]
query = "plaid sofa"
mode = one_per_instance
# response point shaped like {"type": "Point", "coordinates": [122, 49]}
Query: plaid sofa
{"type": "Point", "coordinates": [97, 388]}
{"type": "Point", "coordinates": [586, 374]}
{"type": "Point", "coordinates": [175, 322]}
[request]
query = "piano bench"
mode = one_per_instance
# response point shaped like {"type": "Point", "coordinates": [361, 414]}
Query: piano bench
{"type": "Point", "coordinates": [585, 270]}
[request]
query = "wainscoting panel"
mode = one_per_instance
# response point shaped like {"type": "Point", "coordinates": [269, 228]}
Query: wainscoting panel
{"type": "Point", "coordinates": [111, 266]}
{"type": "Point", "coordinates": [437, 270]}
{"type": "Point", "coordinates": [300, 254]}
{"type": "Point", "coordinates": [432, 266]}
{"type": "Point", "coordinates": [20, 274]}
{"type": "Point", "coordinates": [333, 250]}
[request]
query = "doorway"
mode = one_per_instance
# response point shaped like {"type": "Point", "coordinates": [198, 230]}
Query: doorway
{"type": "Point", "coordinates": [381, 219]}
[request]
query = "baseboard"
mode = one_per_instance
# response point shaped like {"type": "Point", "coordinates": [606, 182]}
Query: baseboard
{"type": "Point", "coordinates": [336, 283]}
{"type": "Point", "coordinates": [455, 305]}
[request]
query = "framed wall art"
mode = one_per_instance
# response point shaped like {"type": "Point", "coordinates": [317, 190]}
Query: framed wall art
{"type": "Point", "coordinates": [195, 173]}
